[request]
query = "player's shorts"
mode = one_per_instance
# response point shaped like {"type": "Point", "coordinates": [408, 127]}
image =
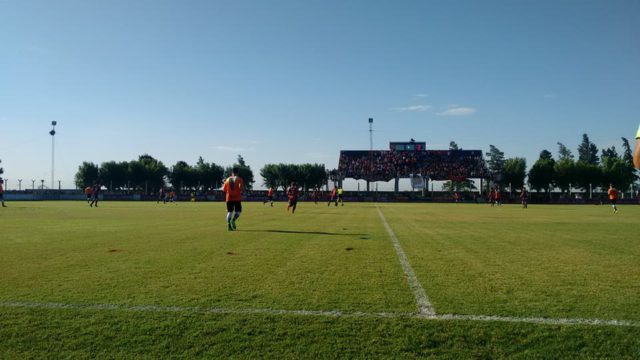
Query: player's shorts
{"type": "Point", "coordinates": [234, 206]}
{"type": "Point", "coordinates": [339, 196]}
{"type": "Point", "coordinates": [613, 201]}
{"type": "Point", "coordinates": [293, 202]}
{"type": "Point", "coordinates": [270, 198]}
{"type": "Point", "coordinates": [1, 196]}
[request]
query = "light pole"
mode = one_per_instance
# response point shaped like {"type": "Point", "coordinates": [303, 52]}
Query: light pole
{"type": "Point", "coordinates": [42, 185]}
{"type": "Point", "coordinates": [19, 184]}
{"type": "Point", "coordinates": [33, 185]}
{"type": "Point", "coordinates": [53, 150]}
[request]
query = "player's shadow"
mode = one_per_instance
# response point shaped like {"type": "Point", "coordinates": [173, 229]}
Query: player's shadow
{"type": "Point", "coordinates": [306, 232]}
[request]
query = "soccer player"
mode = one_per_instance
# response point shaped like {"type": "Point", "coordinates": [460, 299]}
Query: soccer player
{"type": "Point", "coordinates": [95, 191]}
{"type": "Point", "coordinates": [89, 192]}
{"type": "Point", "coordinates": [316, 195]}
{"type": "Point", "coordinates": [233, 187]}
{"type": "Point", "coordinates": [269, 196]}
{"type": "Point", "coordinates": [492, 197]}
{"type": "Point", "coordinates": [524, 197]}
{"type": "Point", "coordinates": [161, 195]}
{"type": "Point", "coordinates": [333, 198]}
{"type": "Point", "coordinates": [497, 197]}
{"type": "Point", "coordinates": [636, 153]}
{"type": "Point", "coordinates": [340, 196]}
{"type": "Point", "coordinates": [613, 198]}
{"type": "Point", "coordinates": [292, 194]}
{"type": "Point", "coordinates": [2, 192]}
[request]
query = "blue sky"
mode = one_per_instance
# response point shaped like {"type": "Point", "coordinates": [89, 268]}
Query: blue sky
{"type": "Point", "coordinates": [295, 81]}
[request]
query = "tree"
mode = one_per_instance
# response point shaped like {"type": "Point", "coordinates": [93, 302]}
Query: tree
{"type": "Point", "coordinates": [564, 152]}
{"type": "Point", "coordinates": [245, 172]}
{"type": "Point", "coordinates": [459, 186]}
{"type": "Point", "coordinates": [627, 155]}
{"type": "Point", "coordinates": [269, 173]}
{"type": "Point", "coordinates": [609, 153]}
{"type": "Point", "coordinates": [182, 175]}
{"type": "Point", "coordinates": [209, 175]}
{"type": "Point", "coordinates": [114, 175]}
{"type": "Point", "coordinates": [542, 173]}
{"type": "Point", "coordinates": [87, 175]}
{"type": "Point", "coordinates": [1, 169]}
{"type": "Point", "coordinates": [565, 172]}
{"type": "Point", "coordinates": [496, 164]}
{"type": "Point", "coordinates": [453, 145]}
{"type": "Point", "coordinates": [587, 151]}
{"type": "Point", "coordinates": [515, 170]}
{"type": "Point", "coordinates": [154, 172]}
{"type": "Point", "coordinates": [586, 175]}
{"type": "Point", "coordinates": [616, 170]}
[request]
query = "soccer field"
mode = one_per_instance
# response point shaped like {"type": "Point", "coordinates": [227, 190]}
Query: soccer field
{"type": "Point", "coordinates": [363, 280]}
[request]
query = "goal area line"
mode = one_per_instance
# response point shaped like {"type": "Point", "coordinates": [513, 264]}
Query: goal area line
{"type": "Point", "coordinates": [316, 313]}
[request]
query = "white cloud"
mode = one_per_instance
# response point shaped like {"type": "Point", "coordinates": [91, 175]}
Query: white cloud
{"type": "Point", "coordinates": [458, 111]}
{"type": "Point", "coordinates": [413, 108]}
{"type": "Point", "coordinates": [421, 95]}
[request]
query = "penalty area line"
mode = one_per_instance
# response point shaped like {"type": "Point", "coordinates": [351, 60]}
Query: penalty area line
{"type": "Point", "coordinates": [316, 313]}
{"type": "Point", "coordinates": [424, 305]}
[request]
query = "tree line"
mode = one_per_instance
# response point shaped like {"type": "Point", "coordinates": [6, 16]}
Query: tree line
{"type": "Point", "coordinates": [589, 171]}
{"type": "Point", "coordinates": [147, 174]}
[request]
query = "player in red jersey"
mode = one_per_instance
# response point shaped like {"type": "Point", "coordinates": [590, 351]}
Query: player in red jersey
{"type": "Point", "coordinates": [269, 196]}
{"type": "Point", "coordinates": [613, 198]}
{"type": "Point", "coordinates": [2, 192]}
{"type": "Point", "coordinates": [333, 198]}
{"type": "Point", "coordinates": [497, 197]}
{"type": "Point", "coordinates": [292, 194]}
{"type": "Point", "coordinates": [492, 197]}
{"type": "Point", "coordinates": [233, 187]}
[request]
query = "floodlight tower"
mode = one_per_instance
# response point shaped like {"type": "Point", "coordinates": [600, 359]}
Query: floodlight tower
{"type": "Point", "coordinates": [370, 146]}
{"type": "Point", "coordinates": [53, 151]}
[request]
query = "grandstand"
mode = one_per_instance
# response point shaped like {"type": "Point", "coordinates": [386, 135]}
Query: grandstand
{"type": "Point", "coordinates": [411, 159]}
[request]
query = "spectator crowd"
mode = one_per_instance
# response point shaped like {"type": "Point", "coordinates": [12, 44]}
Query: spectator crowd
{"type": "Point", "coordinates": [385, 165]}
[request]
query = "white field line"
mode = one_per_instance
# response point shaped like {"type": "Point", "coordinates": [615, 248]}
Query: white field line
{"type": "Point", "coordinates": [424, 306]}
{"type": "Point", "coordinates": [316, 313]}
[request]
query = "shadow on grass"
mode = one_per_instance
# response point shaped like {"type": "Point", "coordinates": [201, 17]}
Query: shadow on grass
{"type": "Point", "coordinates": [306, 232]}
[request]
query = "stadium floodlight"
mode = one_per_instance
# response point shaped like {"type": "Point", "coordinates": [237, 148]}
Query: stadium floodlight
{"type": "Point", "coordinates": [19, 184]}
{"type": "Point", "coordinates": [53, 150]}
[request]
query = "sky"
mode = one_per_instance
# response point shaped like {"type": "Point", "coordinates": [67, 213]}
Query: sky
{"type": "Point", "coordinates": [289, 81]}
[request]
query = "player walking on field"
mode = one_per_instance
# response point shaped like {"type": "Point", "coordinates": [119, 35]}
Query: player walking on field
{"type": "Point", "coordinates": [269, 196]}
{"type": "Point", "coordinates": [89, 192]}
{"type": "Point", "coordinates": [95, 191]}
{"type": "Point", "coordinates": [292, 194]}
{"type": "Point", "coordinates": [340, 196]}
{"type": "Point", "coordinates": [524, 197]}
{"type": "Point", "coordinates": [2, 192]}
{"type": "Point", "coordinates": [333, 198]}
{"type": "Point", "coordinates": [613, 198]}
{"type": "Point", "coordinates": [233, 187]}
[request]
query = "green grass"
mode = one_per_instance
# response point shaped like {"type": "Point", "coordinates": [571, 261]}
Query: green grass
{"type": "Point", "coordinates": [547, 261]}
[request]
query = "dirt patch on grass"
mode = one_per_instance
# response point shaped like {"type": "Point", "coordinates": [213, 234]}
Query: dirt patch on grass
{"type": "Point", "coordinates": [230, 253]}
{"type": "Point", "coordinates": [115, 250]}
{"type": "Point", "coordinates": [349, 249]}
